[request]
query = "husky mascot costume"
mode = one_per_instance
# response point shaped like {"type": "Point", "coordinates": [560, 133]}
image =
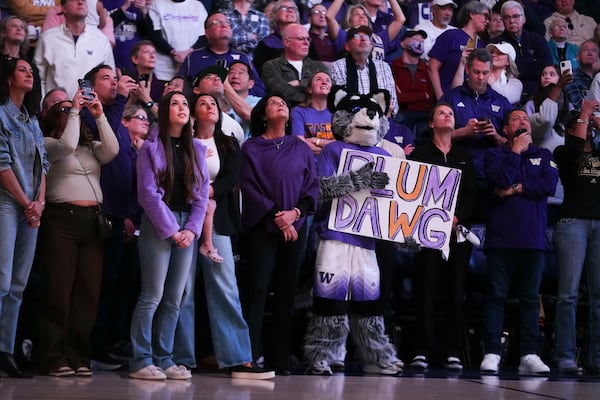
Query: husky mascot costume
{"type": "Point", "coordinates": [346, 271]}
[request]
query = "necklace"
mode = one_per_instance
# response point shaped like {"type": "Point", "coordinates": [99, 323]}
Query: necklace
{"type": "Point", "coordinates": [278, 145]}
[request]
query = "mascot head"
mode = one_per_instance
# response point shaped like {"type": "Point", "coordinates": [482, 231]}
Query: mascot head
{"type": "Point", "coordinates": [359, 118]}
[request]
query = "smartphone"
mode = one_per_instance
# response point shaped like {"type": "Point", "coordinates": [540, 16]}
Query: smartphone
{"type": "Point", "coordinates": [221, 63]}
{"type": "Point", "coordinates": [565, 66]}
{"type": "Point", "coordinates": [470, 43]}
{"type": "Point", "coordinates": [519, 132]}
{"type": "Point", "coordinates": [144, 78]}
{"type": "Point", "coordinates": [483, 119]}
{"type": "Point", "coordinates": [86, 86]}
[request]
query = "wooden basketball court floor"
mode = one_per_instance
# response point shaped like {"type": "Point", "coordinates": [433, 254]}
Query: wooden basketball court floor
{"type": "Point", "coordinates": [433, 385]}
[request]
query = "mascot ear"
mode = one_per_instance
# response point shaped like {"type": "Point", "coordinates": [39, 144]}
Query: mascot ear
{"type": "Point", "coordinates": [382, 97]}
{"type": "Point", "coordinates": [336, 94]}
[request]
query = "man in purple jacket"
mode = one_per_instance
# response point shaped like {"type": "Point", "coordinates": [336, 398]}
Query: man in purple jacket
{"type": "Point", "coordinates": [520, 176]}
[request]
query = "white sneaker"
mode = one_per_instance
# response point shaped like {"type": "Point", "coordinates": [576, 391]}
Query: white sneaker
{"type": "Point", "coordinates": [531, 364]}
{"type": "Point", "coordinates": [490, 364]}
{"type": "Point", "coordinates": [150, 372]}
{"type": "Point", "coordinates": [389, 369]}
{"type": "Point", "coordinates": [419, 363]}
{"type": "Point", "coordinates": [454, 364]}
{"type": "Point", "coordinates": [178, 372]}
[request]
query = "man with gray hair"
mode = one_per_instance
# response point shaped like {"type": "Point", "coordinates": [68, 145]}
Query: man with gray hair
{"type": "Point", "coordinates": [580, 27]}
{"type": "Point", "coordinates": [533, 52]}
{"type": "Point", "coordinates": [290, 73]}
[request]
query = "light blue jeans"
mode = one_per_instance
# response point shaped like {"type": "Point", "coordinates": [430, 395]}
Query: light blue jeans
{"type": "Point", "coordinates": [17, 248]}
{"type": "Point", "coordinates": [230, 336]}
{"type": "Point", "coordinates": [577, 243]}
{"type": "Point", "coordinates": [164, 270]}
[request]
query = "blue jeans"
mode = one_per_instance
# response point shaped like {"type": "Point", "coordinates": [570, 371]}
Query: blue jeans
{"type": "Point", "coordinates": [164, 270]}
{"type": "Point", "coordinates": [577, 243]}
{"type": "Point", "coordinates": [184, 347]}
{"type": "Point", "coordinates": [230, 336]}
{"type": "Point", "coordinates": [17, 248]}
{"type": "Point", "coordinates": [231, 339]}
{"type": "Point", "coordinates": [525, 267]}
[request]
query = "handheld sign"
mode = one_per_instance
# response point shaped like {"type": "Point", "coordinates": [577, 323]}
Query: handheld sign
{"type": "Point", "coordinates": [418, 202]}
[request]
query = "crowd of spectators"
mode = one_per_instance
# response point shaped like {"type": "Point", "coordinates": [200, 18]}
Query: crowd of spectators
{"type": "Point", "coordinates": [191, 129]}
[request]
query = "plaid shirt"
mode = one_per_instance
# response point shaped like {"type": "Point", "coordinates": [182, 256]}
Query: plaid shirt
{"type": "Point", "coordinates": [581, 81]}
{"type": "Point", "coordinates": [385, 79]}
{"type": "Point", "coordinates": [255, 23]}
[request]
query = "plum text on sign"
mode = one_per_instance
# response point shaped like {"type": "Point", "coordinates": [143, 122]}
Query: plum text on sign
{"type": "Point", "coordinates": [418, 202]}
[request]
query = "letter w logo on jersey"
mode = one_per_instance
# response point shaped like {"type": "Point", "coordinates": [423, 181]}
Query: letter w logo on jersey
{"type": "Point", "coordinates": [326, 277]}
{"type": "Point", "coordinates": [535, 161]}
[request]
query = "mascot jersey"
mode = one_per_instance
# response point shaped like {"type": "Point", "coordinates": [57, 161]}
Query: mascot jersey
{"type": "Point", "coordinates": [327, 165]}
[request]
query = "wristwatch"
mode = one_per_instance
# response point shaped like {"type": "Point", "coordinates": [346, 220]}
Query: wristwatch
{"type": "Point", "coordinates": [149, 104]}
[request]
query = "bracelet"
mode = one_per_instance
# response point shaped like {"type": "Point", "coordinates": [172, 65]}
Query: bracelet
{"type": "Point", "coordinates": [515, 187]}
{"type": "Point", "coordinates": [583, 121]}
{"type": "Point", "coordinates": [298, 213]}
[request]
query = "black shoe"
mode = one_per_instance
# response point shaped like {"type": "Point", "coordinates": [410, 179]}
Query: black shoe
{"type": "Point", "coordinates": [10, 367]}
{"type": "Point", "coordinates": [282, 372]}
{"type": "Point", "coordinates": [253, 372]}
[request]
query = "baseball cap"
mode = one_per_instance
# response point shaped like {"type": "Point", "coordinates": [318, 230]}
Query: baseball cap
{"type": "Point", "coordinates": [504, 48]}
{"type": "Point", "coordinates": [213, 69]}
{"type": "Point", "coordinates": [359, 29]}
{"type": "Point", "coordinates": [443, 3]}
{"type": "Point", "coordinates": [410, 33]}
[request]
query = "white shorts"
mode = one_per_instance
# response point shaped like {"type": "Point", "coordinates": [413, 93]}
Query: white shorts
{"type": "Point", "coordinates": [346, 272]}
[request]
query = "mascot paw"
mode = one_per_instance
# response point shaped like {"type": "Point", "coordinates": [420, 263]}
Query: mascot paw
{"type": "Point", "coordinates": [379, 180]}
{"type": "Point", "coordinates": [410, 244]}
{"type": "Point", "coordinates": [366, 178]}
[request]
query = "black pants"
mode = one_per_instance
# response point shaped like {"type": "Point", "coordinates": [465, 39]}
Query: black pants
{"type": "Point", "coordinates": [272, 260]}
{"type": "Point", "coordinates": [430, 271]}
{"type": "Point", "coordinates": [71, 257]}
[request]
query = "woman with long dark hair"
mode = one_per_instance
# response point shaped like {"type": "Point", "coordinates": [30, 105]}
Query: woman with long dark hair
{"type": "Point", "coordinates": [23, 168]}
{"type": "Point", "coordinates": [172, 180]}
{"type": "Point", "coordinates": [280, 188]}
{"type": "Point", "coordinates": [231, 340]}
{"type": "Point", "coordinates": [71, 250]}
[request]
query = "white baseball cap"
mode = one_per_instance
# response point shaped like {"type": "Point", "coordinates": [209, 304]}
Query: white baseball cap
{"type": "Point", "coordinates": [443, 3]}
{"type": "Point", "coordinates": [504, 48]}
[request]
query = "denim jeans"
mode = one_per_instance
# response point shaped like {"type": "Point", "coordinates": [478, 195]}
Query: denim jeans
{"type": "Point", "coordinates": [230, 335]}
{"type": "Point", "coordinates": [525, 267]}
{"type": "Point", "coordinates": [184, 347]}
{"type": "Point", "coordinates": [577, 243]}
{"type": "Point", "coordinates": [164, 270]}
{"type": "Point", "coordinates": [17, 248]}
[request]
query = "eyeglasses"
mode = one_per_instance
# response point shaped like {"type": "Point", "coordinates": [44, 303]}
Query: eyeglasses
{"type": "Point", "coordinates": [569, 23]}
{"type": "Point", "coordinates": [65, 109]}
{"type": "Point", "coordinates": [359, 36]}
{"type": "Point", "coordinates": [301, 38]}
{"type": "Point", "coordinates": [287, 8]}
{"type": "Point", "coordinates": [486, 16]}
{"type": "Point", "coordinates": [319, 12]}
{"type": "Point", "coordinates": [514, 17]}
{"type": "Point", "coordinates": [222, 22]}
{"type": "Point", "coordinates": [140, 117]}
